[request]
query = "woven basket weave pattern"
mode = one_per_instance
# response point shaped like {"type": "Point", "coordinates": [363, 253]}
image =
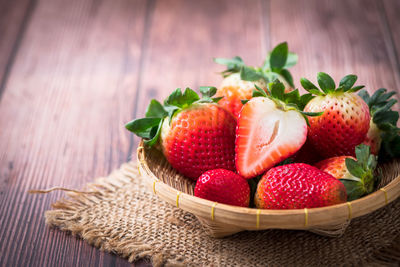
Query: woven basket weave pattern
{"type": "Point", "coordinates": [221, 220]}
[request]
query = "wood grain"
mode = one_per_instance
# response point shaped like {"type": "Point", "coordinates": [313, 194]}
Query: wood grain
{"type": "Point", "coordinates": [70, 91]}
{"type": "Point", "coordinates": [391, 11]}
{"type": "Point", "coordinates": [184, 40]}
{"type": "Point", "coordinates": [73, 72]}
{"type": "Point", "coordinates": [14, 17]}
{"type": "Point", "coordinates": [337, 37]}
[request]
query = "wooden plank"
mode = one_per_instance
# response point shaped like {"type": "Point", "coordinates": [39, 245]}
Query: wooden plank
{"type": "Point", "coordinates": [14, 16]}
{"type": "Point", "coordinates": [391, 11]}
{"type": "Point", "coordinates": [70, 92]}
{"type": "Point", "coordinates": [183, 41]}
{"type": "Point", "coordinates": [337, 37]}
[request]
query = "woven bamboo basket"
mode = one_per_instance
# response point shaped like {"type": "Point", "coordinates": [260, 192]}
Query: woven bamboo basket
{"type": "Point", "coordinates": [221, 220]}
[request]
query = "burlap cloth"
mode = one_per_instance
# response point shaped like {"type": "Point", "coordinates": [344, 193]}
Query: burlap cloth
{"type": "Point", "coordinates": [123, 217]}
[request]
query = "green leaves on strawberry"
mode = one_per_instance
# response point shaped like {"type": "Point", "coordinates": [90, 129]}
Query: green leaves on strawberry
{"type": "Point", "coordinates": [149, 128]}
{"type": "Point", "coordinates": [285, 101]}
{"type": "Point", "coordinates": [275, 66]}
{"type": "Point", "coordinates": [380, 105]}
{"type": "Point", "coordinates": [362, 170]}
{"type": "Point", "coordinates": [327, 84]}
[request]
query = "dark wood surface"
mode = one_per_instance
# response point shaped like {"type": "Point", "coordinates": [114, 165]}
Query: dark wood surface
{"type": "Point", "coordinates": [73, 72]}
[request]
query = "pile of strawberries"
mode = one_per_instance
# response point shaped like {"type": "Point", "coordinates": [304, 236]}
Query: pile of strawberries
{"type": "Point", "coordinates": [256, 141]}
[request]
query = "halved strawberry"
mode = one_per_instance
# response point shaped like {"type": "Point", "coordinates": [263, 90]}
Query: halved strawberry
{"type": "Point", "coordinates": [270, 129]}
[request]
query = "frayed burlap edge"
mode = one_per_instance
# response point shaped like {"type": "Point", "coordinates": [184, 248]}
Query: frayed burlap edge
{"type": "Point", "coordinates": [66, 216]}
{"type": "Point", "coordinates": [66, 212]}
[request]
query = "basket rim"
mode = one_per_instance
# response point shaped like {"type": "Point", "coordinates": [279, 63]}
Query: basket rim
{"type": "Point", "coordinates": [352, 209]}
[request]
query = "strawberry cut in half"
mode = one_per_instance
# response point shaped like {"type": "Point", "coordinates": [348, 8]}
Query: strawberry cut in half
{"type": "Point", "coordinates": [270, 129]}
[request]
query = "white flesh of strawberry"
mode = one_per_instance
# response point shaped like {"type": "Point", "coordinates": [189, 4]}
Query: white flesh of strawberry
{"type": "Point", "coordinates": [266, 135]}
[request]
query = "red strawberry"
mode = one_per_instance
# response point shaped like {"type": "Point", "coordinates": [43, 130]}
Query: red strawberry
{"type": "Point", "coordinates": [223, 186]}
{"type": "Point", "coordinates": [345, 121]}
{"type": "Point", "coordinates": [307, 154]}
{"type": "Point", "coordinates": [269, 130]}
{"type": "Point", "coordinates": [196, 134]}
{"type": "Point", "coordinates": [239, 79]}
{"type": "Point", "coordinates": [298, 186]}
{"type": "Point", "coordinates": [373, 138]}
{"type": "Point", "coordinates": [234, 90]}
{"type": "Point", "coordinates": [356, 174]}
{"type": "Point", "coordinates": [335, 166]}
{"type": "Point", "coordinates": [383, 123]}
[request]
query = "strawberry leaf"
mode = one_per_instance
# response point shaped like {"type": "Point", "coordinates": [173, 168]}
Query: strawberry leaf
{"type": "Point", "coordinates": [258, 91]}
{"type": "Point", "coordinates": [155, 110]}
{"type": "Point", "coordinates": [356, 88]}
{"type": "Point", "coordinates": [354, 189]}
{"type": "Point", "coordinates": [291, 60]}
{"type": "Point", "coordinates": [275, 66]}
{"type": "Point", "coordinates": [250, 74]}
{"type": "Point", "coordinates": [288, 77]}
{"type": "Point", "coordinates": [362, 180]}
{"type": "Point", "coordinates": [278, 57]}
{"type": "Point", "coordinates": [149, 128]}
{"type": "Point", "coordinates": [154, 134]}
{"type": "Point", "coordinates": [325, 82]}
{"type": "Point", "coordinates": [244, 101]}
{"type": "Point", "coordinates": [277, 90]}
{"type": "Point", "coordinates": [142, 127]}
{"type": "Point", "coordinates": [233, 65]}
{"type": "Point", "coordinates": [216, 99]}
{"type": "Point", "coordinates": [312, 114]}
{"type": "Point", "coordinates": [348, 81]}
{"type": "Point", "coordinates": [292, 97]}
{"type": "Point", "coordinates": [383, 117]}
{"type": "Point", "coordinates": [362, 154]}
{"type": "Point", "coordinates": [307, 85]}
{"type": "Point", "coordinates": [354, 167]}
{"type": "Point", "coordinates": [304, 99]}
{"type": "Point", "coordinates": [208, 91]}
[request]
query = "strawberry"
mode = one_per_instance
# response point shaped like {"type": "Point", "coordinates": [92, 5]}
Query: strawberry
{"type": "Point", "coordinates": [383, 124]}
{"type": "Point", "coordinates": [223, 186]}
{"type": "Point", "coordinates": [239, 79]}
{"type": "Point", "coordinates": [307, 154]}
{"type": "Point", "coordinates": [335, 166]}
{"type": "Point", "coordinates": [356, 174]}
{"type": "Point", "coordinates": [298, 186]}
{"type": "Point", "coordinates": [345, 122]}
{"type": "Point", "coordinates": [233, 90]}
{"type": "Point", "coordinates": [270, 128]}
{"type": "Point", "coordinates": [196, 134]}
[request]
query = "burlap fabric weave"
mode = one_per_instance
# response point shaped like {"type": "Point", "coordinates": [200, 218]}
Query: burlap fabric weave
{"type": "Point", "coordinates": [122, 216]}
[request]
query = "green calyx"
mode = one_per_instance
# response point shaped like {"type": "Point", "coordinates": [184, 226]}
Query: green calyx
{"type": "Point", "coordinates": [327, 84]}
{"type": "Point", "coordinates": [285, 101]}
{"type": "Point", "coordinates": [275, 66]}
{"type": "Point", "coordinates": [362, 170]}
{"type": "Point", "coordinates": [149, 127]}
{"type": "Point", "coordinates": [380, 106]}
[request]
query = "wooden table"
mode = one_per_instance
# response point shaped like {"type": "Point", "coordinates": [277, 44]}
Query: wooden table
{"type": "Point", "coordinates": [72, 72]}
